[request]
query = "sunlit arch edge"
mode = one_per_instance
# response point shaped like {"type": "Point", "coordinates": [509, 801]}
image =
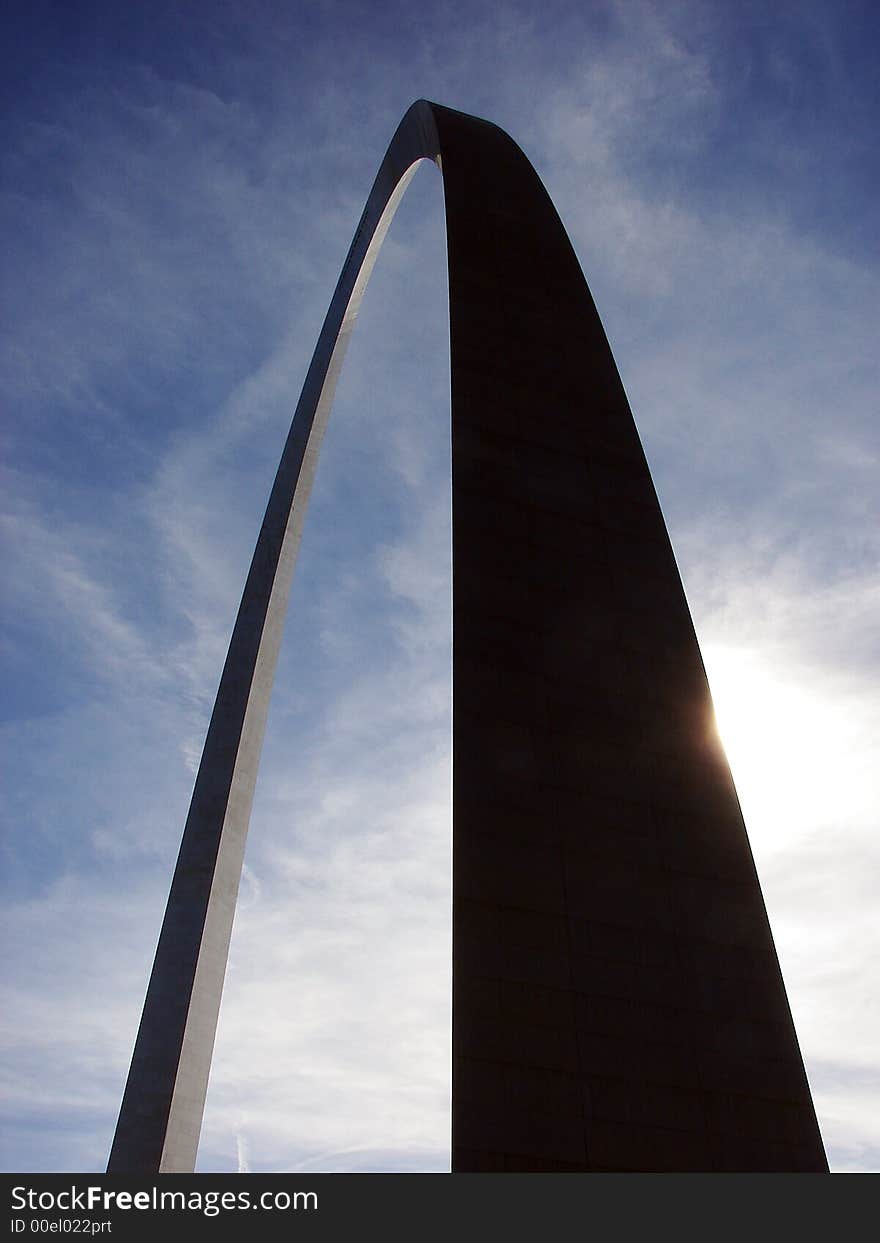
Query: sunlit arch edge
{"type": "Point", "coordinates": [162, 1107]}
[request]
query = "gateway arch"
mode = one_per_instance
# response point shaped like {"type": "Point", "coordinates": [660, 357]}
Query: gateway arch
{"type": "Point", "coordinates": [617, 999]}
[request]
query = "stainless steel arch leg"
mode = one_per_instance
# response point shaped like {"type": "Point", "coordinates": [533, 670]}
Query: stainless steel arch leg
{"type": "Point", "coordinates": [617, 1002]}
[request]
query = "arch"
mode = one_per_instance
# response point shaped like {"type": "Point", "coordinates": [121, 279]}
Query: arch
{"type": "Point", "coordinates": [581, 737]}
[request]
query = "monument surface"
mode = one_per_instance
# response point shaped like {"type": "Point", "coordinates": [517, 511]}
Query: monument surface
{"type": "Point", "coordinates": [617, 1000]}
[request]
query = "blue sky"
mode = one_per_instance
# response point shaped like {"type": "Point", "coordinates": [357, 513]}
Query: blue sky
{"type": "Point", "coordinates": [180, 184]}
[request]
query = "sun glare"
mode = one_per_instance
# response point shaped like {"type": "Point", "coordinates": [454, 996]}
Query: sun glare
{"type": "Point", "coordinates": [787, 745]}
